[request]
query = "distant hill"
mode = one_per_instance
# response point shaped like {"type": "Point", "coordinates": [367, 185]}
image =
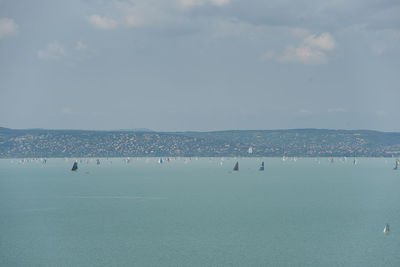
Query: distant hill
{"type": "Point", "coordinates": [139, 143]}
{"type": "Point", "coordinates": [137, 130]}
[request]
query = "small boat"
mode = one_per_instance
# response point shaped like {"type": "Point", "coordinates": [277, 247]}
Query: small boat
{"type": "Point", "coordinates": [160, 161]}
{"type": "Point", "coordinates": [236, 168]}
{"type": "Point", "coordinates": [262, 166]}
{"type": "Point", "coordinates": [386, 229]}
{"type": "Point", "coordinates": [98, 162]}
{"type": "Point", "coordinates": [75, 166]}
{"type": "Point", "coordinates": [396, 165]}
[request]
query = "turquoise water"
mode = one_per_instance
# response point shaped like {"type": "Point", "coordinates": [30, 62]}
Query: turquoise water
{"type": "Point", "coordinates": [199, 213]}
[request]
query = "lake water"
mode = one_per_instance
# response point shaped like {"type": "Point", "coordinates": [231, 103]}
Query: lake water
{"type": "Point", "coordinates": [199, 213]}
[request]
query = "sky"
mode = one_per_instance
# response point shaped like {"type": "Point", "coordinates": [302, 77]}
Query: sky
{"type": "Point", "coordinates": [200, 65]}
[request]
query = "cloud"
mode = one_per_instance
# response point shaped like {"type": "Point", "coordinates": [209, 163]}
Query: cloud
{"type": "Point", "coordinates": [194, 3]}
{"type": "Point", "coordinates": [53, 51]}
{"type": "Point", "coordinates": [80, 46]}
{"type": "Point", "coordinates": [311, 14]}
{"type": "Point", "coordinates": [311, 50]}
{"type": "Point", "coordinates": [337, 110]}
{"type": "Point", "coordinates": [303, 54]}
{"type": "Point", "coordinates": [318, 15]}
{"type": "Point", "coordinates": [324, 41]}
{"type": "Point", "coordinates": [100, 22]}
{"type": "Point", "coordinates": [305, 111]}
{"type": "Point", "coordinates": [142, 12]}
{"type": "Point", "coordinates": [7, 27]}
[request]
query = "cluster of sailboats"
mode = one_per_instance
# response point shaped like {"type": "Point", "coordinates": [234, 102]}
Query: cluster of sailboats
{"type": "Point", "coordinates": [235, 168]}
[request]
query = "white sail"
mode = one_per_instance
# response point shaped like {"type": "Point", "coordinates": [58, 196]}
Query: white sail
{"type": "Point", "coordinates": [386, 229]}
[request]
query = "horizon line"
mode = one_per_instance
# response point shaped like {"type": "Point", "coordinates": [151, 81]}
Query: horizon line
{"type": "Point", "coordinates": [199, 131]}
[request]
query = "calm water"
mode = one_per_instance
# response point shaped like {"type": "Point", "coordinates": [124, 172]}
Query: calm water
{"type": "Point", "coordinates": [199, 213]}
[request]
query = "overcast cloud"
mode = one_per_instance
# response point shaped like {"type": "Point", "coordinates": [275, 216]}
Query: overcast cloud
{"type": "Point", "coordinates": [200, 64]}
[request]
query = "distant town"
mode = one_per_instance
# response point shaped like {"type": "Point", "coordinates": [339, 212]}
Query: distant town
{"type": "Point", "coordinates": [40, 143]}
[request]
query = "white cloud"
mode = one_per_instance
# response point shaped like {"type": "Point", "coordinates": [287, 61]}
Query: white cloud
{"type": "Point", "coordinates": [324, 41]}
{"type": "Point", "coordinates": [100, 22]}
{"type": "Point", "coordinates": [311, 50]}
{"type": "Point", "coordinates": [7, 27]}
{"type": "Point", "coordinates": [303, 54]}
{"type": "Point", "coordinates": [80, 46]}
{"type": "Point", "coordinates": [53, 51]}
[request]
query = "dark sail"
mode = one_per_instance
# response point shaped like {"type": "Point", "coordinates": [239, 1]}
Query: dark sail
{"type": "Point", "coordinates": [75, 167]}
{"type": "Point", "coordinates": [236, 168]}
{"type": "Point", "coordinates": [396, 165]}
{"type": "Point", "coordinates": [98, 162]}
{"type": "Point", "coordinates": [262, 166]}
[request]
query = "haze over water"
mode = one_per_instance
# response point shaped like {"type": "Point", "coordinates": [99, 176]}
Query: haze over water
{"type": "Point", "coordinates": [199, 213]}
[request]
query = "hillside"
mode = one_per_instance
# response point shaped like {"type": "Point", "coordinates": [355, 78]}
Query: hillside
{"type": "Point", "coordinates": [296, 142]}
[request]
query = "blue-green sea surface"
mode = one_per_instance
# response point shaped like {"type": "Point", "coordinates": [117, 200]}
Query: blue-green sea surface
{"type": "Point", "coordinates": [198, 212]}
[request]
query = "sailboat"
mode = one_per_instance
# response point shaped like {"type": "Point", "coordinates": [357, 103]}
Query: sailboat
{"type": "Point", "coordinates": [75, 166]}
{"type": "Point", "coordinates": [98, 162]}
{"type": "Point", "coordinates": [236, 168]}
{"type": "Point", "coordinates": [160, 161]}
{"type": "Point", "coordinates": [283, 156]}
{"type": "Point", "coordinates": [386, 229]}
{"type": "Point", "coordinates": [396, 165]}
{"type": "Point", "coordinates": [262, 166]}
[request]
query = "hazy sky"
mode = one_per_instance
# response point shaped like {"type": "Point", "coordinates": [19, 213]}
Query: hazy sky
{"type": "Point", "coordinates": [200, 64]}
